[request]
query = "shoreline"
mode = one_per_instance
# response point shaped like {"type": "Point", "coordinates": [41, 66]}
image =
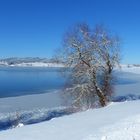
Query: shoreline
{"type": "Point", "coordinates": [29, 102]}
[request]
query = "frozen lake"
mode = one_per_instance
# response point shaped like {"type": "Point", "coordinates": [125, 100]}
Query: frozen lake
{"type": "Point", "coordinates": [18, 81]}
{"type": "Point", "coordinates": [127, 84]}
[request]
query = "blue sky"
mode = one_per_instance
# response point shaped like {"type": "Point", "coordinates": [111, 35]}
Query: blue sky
{"type": "Point", "coordinates": [36, 27]}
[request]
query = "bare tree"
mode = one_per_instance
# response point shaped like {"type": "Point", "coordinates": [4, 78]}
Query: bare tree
{"type": "Point", "coordinates": [92, 55]}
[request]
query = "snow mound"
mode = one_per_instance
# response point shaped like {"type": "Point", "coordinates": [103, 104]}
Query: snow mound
{"type": "Point", "coordinates": [21, 118]}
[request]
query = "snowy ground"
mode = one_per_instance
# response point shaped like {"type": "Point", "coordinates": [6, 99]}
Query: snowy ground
{"type": "Point", "coordinates": [117, 121]}
{"type": "Point", "coordinates": [130, 68]}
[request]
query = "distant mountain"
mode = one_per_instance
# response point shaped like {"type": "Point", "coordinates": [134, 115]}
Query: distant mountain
{"type": "Point", "coordinates": [28, 61]}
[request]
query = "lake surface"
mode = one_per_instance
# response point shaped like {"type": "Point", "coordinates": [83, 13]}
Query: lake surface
{"type": "Point", "coordinates": [17, 81]}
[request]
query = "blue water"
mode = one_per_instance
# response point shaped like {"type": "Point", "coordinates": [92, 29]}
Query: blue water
{"type": "Point", "coordinates": [17, 81]}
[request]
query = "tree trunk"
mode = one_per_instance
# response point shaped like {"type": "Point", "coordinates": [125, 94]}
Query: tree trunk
{"type": "Point", "coordinates": [99, 92]}
{"type": "Point", "coordinates": [102, 100]}
{"type": "Point", "coordinates": [101, 96]}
